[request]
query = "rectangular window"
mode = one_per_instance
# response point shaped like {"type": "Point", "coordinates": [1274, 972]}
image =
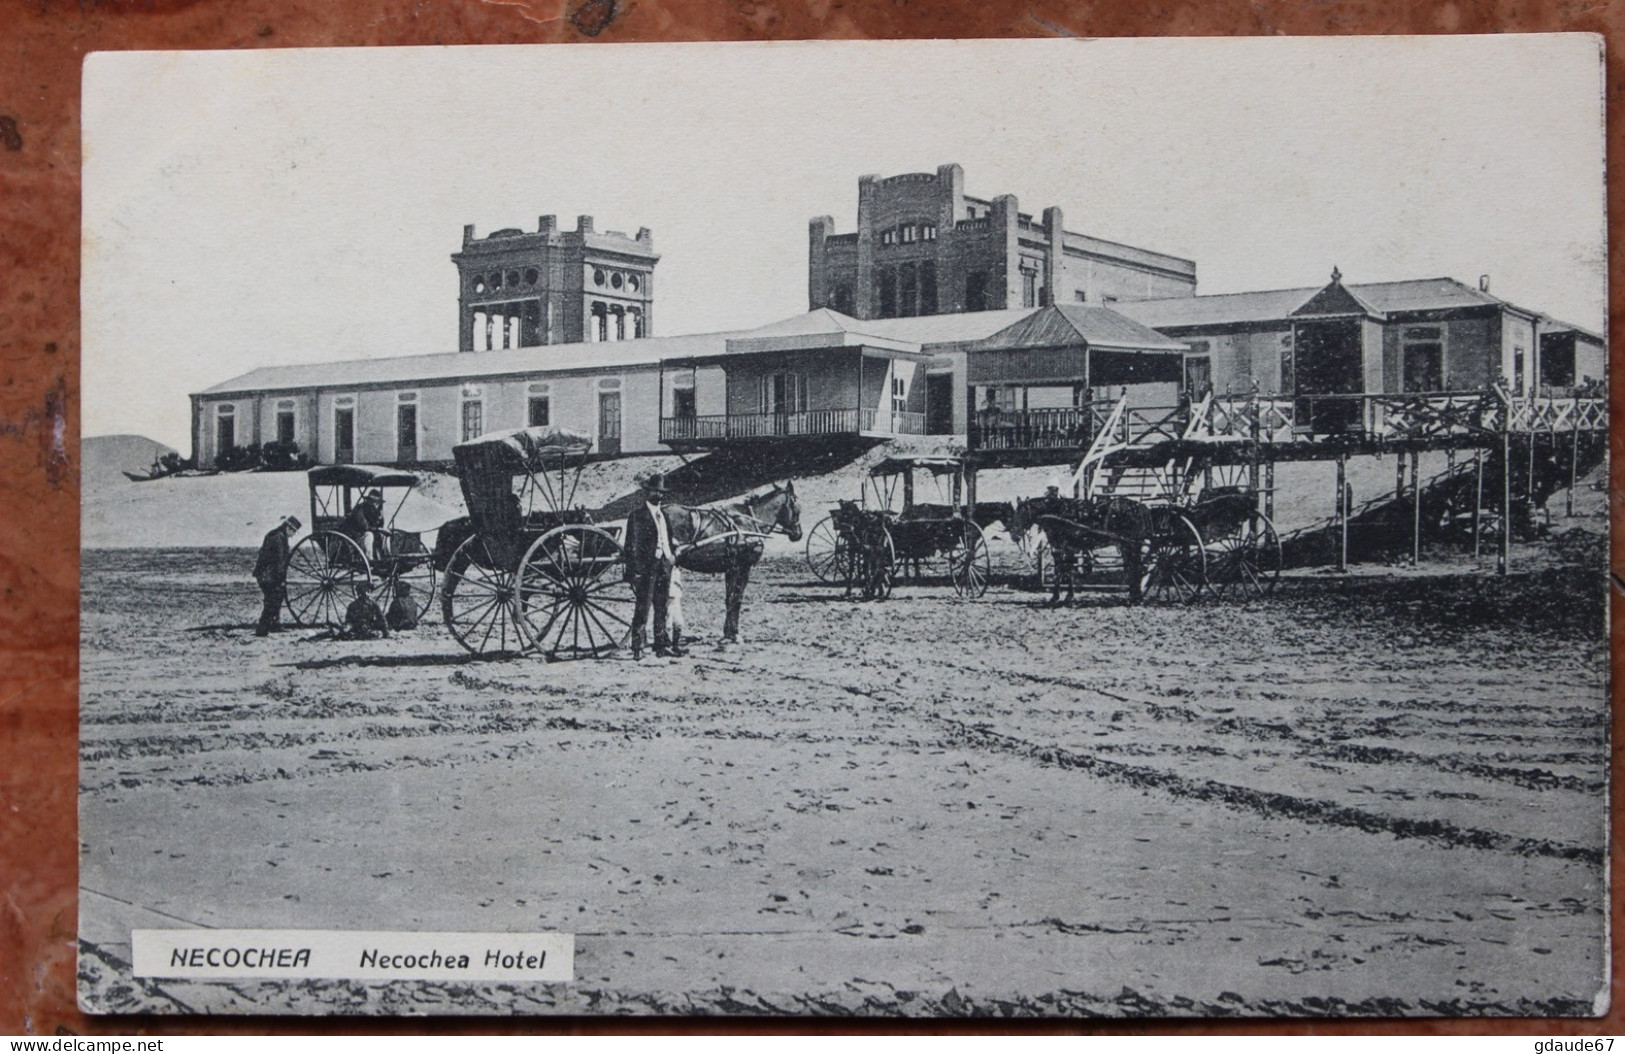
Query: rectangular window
{"type": "Point", "coordinates": [406, 432]}
{"type": "Point", "coordinates": [976, 291]}
{"type": "Point", "coordinates": [1029, 288]}
{"type": "Point", "coordinates": [225, 435]}
{"type": "Point", "coordinates": [343, 433]}
{"type": "Point", "coordinates": [540, 411]}
{"type": "Point", "coordinates": [784, 393]}
{"type": "Point", "coordinates": [928, 287]}
{"type": "Point", "coordinates": [1080, 296]}
{"type": "Point", "coordinates": [899, 395]}
{"type": "Point", "coordinates": [682, 402]}
{"type": "Point", "coordinates": [1517, 370]}
{"type": "Point", "coordinates": [888, 292]}
{"type": "Point", "coordinates": [1422, 358]}
{"type": "Point", "coordinates": [1198, 375]}
{"type": "Point", "coordinates": [908, 292]}
{"type": "Point", "coordinates": [473, 419]}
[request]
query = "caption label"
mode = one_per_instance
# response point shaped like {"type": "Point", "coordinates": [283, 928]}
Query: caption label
{"type": "Point", "coordinates": [354, 954]}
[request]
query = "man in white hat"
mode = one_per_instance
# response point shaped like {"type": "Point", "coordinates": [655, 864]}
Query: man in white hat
{"type": "Point", "coordinates": [271, 572]}
{"type": "Point", "coordinates": [649, 562]}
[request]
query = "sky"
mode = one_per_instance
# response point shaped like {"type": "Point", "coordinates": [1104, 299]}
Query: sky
{"type": "Point", "coordinates": [256, 208]}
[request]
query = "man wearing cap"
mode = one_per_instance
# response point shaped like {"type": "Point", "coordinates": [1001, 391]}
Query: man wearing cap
{"type": "Point", "coordinates": [649, 560]}
{"type": "Point", "coordinates": [271, 572]}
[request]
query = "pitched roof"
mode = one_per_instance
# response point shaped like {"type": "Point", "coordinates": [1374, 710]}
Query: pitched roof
{"type": "Point", "coordinates": [1067, 324]}
{"type": "Point", "coordinates": [1278, 305]}
{"type": "Point", "coordinates": [821, 328]}
{"type": "Point", "coordinates": [457, 366]}
{"type": "Point", "coordinates": [954, 328]}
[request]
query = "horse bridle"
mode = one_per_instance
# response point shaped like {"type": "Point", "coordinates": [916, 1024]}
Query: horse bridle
{"type": "Point", "coordinates": [750, 511]}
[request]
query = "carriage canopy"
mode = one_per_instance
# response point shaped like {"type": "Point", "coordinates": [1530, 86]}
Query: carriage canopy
{"type": "Point", "coordinates": [543, 458]}
{"type": "Point", "coordinates": [937, 466]}
{"type": "Point", "coordinates": [360, 476]}
{"type": "Point", "coordinates": [521, 450]}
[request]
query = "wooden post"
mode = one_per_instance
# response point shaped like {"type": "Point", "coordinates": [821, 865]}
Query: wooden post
{"type": "Point", "coordinates": [1399, 475]}
{"type": "Point", "coordinates": [1416, 508]}
{"type": "Point", "coordinates": [1478, 504]}
{"type": "Point", "coordinates": [1269, 489]}
{"type": "Point", "coordinates": [1506, 500]}
{"type": "Point", "coordinates": [1342, 517]}
{"type": "Point", "coordinates": [908, 487]}
{"type": "Point", "coordinates": [1574, 456]}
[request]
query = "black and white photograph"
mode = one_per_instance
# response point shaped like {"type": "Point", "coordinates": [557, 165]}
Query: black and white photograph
{"type": "Point", "coordinates": [929, 529]}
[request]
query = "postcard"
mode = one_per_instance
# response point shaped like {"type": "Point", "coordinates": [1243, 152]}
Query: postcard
{"type": "Point", "coordinates": [930, 529]}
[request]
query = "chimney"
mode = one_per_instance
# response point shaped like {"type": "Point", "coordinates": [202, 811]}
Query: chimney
{"type": "Point", "coordinates": [1483, 283]}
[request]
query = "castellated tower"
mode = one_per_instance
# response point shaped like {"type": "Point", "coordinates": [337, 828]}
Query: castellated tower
{"type": "Point", "coordinates": [518, 289]}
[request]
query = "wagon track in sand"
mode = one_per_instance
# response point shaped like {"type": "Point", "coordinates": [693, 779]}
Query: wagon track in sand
{"type": "Point", "coordinates": [1126, 805]}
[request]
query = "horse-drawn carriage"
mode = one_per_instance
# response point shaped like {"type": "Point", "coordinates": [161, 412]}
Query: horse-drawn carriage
{"type": "Point", "coordinates": [352, 543]}
{"type": "Point", "coordinates": [527, 571]}
{"type": "Point", "coordinates": [1151, 527]}
{"type": "Point", "coordinates": [867, 544]}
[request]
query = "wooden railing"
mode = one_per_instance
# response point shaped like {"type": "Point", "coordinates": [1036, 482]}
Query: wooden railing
{"type": "Point", "coordinates": [1401, 417]}
{"type": "Point", "coordinates": [1281, 419]}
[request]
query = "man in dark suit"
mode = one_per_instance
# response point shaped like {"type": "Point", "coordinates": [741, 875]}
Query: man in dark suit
{"type": "Point", "coordinates": [649, 560]}
{"type": "Point", "coordinates": [271, 572]}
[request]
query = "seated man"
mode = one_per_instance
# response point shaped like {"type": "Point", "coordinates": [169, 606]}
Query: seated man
{"type": "Point", "coordinates": [403, 610]}
{"type": "Point", "coordinates": [362, 619]}
{"type": "Point", "coordinates": [365, 522]}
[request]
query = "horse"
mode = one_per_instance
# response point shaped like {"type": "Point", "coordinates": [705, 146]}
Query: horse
{"type": "Point", "coordinates": [728, 541]}
{"type": "Point", "coordinates": [869, 564]}
{"type": "Point", "coordinates": [1076, 527]}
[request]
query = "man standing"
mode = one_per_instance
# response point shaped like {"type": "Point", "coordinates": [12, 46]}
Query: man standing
{"type": "Point", "coordinates": [649, 560]}
{"type": "Point", "coordinates": [271, 572]}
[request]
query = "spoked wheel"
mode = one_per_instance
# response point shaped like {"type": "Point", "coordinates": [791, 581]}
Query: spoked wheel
{"type": "Point", "coordinates": [969, 564]}
{"type": "Point", "coordinates": [573, 601]}
{"type": "Point", "coordinates": [323, 572]}
{"type": "Point", "coordinates": [416, 571]}
{"type": "Point", "coordinates": [477, 601]}
{"type": "Point", "coordinates": [827, 552]}
{"type": "Point", "coordinates": [1175, 566]}
{"type": "Point", "coordinates": [1246, 561]}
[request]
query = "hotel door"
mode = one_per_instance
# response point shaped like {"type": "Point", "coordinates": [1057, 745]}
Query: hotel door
{"type": "Point", "coordinates": [939, 404]}
{"type": "Point", "coordinates": [406, 433]}
{"type": "Point", "coordinates": [609, 424]}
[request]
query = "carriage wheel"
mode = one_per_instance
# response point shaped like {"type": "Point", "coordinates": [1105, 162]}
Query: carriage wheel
{"type": "Point", "coordinates": [416, 571]}
{"type": "Point", "coordinates": [477, 601]}
{"type": "Point", "coordinates": [1175, 566]}
{"type": "Point", "coordinates": [1246, 562]}
{"type": "Point", "coordinates": [879, 567]}
{"type": "Point", "coordinates": [969, 565]}
{"type": "Point", "coordinates": [323, 571]}
{"type": "Point", "coordinates": [827, 552]}
{"type": "Point", "coordinates": [573, 601]}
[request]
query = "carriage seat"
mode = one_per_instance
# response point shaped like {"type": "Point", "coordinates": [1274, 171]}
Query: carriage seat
{"type": "Point", "coordinates": [923, 511]}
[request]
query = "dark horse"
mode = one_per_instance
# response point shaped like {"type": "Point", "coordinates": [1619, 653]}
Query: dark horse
{"type": "Point", "coordinates": [870, 562]}
{"type": "Point", "coordinates": [1076, 527]}
{"type": "Point", "coordinates": [728, 541]}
